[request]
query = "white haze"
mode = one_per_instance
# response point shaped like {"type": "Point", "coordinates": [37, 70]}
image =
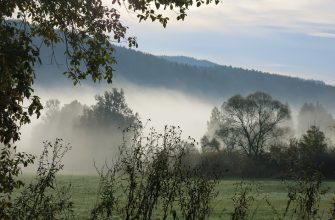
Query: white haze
{"type": "Point", "coordinates": [161, 106]}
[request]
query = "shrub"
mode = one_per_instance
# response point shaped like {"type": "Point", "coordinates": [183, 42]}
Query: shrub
{"type": "Point", "coordinates": [42, 199]}
{"type": "Point", "coordinates": [150, 175]}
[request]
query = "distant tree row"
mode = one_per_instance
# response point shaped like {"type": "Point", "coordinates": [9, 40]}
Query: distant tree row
{"type": "Point", "coordinates": [110, 110]}
{"type": "Point", "coordinates": [253, 136]}
{"type": "Point", "coordinates": [255, 122]}
{"type": "Point", "coordinates": [244, 133]}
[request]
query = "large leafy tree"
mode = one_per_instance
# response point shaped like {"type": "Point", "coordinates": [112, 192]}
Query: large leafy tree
{"type": "Point", "coordinates": [248, 123]}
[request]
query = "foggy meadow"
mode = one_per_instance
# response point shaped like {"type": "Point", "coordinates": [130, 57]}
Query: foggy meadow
{"type": "Point", "coordinates": [230, 116]}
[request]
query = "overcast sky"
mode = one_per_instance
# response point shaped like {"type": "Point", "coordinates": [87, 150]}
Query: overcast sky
{"type": "Point", "coordinates": [291, 37]}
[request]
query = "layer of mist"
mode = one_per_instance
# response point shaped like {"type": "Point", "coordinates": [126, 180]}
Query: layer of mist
{"type": "Point", "coordinates": [155, 107]}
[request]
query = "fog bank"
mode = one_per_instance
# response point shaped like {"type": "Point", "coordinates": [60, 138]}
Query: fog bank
{"type": "Point", "coordinates": [156, 108]}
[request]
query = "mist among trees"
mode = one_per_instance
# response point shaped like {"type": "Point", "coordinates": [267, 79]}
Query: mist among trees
{"type": "Point", "coordinates": [95, 132]}
{"type": "Point", "coordinates": [144, 174]}
{"type": "Point", "coordinates": [251, 136]}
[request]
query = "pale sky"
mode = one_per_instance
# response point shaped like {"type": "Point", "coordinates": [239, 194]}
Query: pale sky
{"type": "Point", "coordinates": [291, 37]}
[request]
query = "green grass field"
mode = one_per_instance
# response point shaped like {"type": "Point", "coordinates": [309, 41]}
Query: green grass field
{"type": "Point", "coordinates": [84, 196]}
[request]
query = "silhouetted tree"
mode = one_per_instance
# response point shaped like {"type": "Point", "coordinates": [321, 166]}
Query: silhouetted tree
{"type": "Point", "coordinates": [313, 141]}
{"type": "Point", "coordinates": [249, 123]}
{"type": "Point", "coordinates": [310, 152]}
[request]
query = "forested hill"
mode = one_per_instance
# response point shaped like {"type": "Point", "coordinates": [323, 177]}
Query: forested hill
{"type": "Point", "coordinates": [217, 81]}
{"type": "Point", "coordinates": [189, 60]}
{"type": "Point", "coordinates": [203, 78]}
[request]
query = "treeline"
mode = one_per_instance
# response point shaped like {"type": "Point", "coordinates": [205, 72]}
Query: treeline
{"type": "Point", "coordinates": [253, 136]}
{"type": "Point", "coordinates": [281, 161]}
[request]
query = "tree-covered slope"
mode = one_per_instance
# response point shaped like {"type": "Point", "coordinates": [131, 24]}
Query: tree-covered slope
{"type": "Point", "coordinates": [212, 82]}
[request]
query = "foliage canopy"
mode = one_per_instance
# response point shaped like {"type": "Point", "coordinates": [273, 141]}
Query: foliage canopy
{"type": "Point", "coordinates": [248, 123]}
{"type": "Point", "coordinates": [111, 109]}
